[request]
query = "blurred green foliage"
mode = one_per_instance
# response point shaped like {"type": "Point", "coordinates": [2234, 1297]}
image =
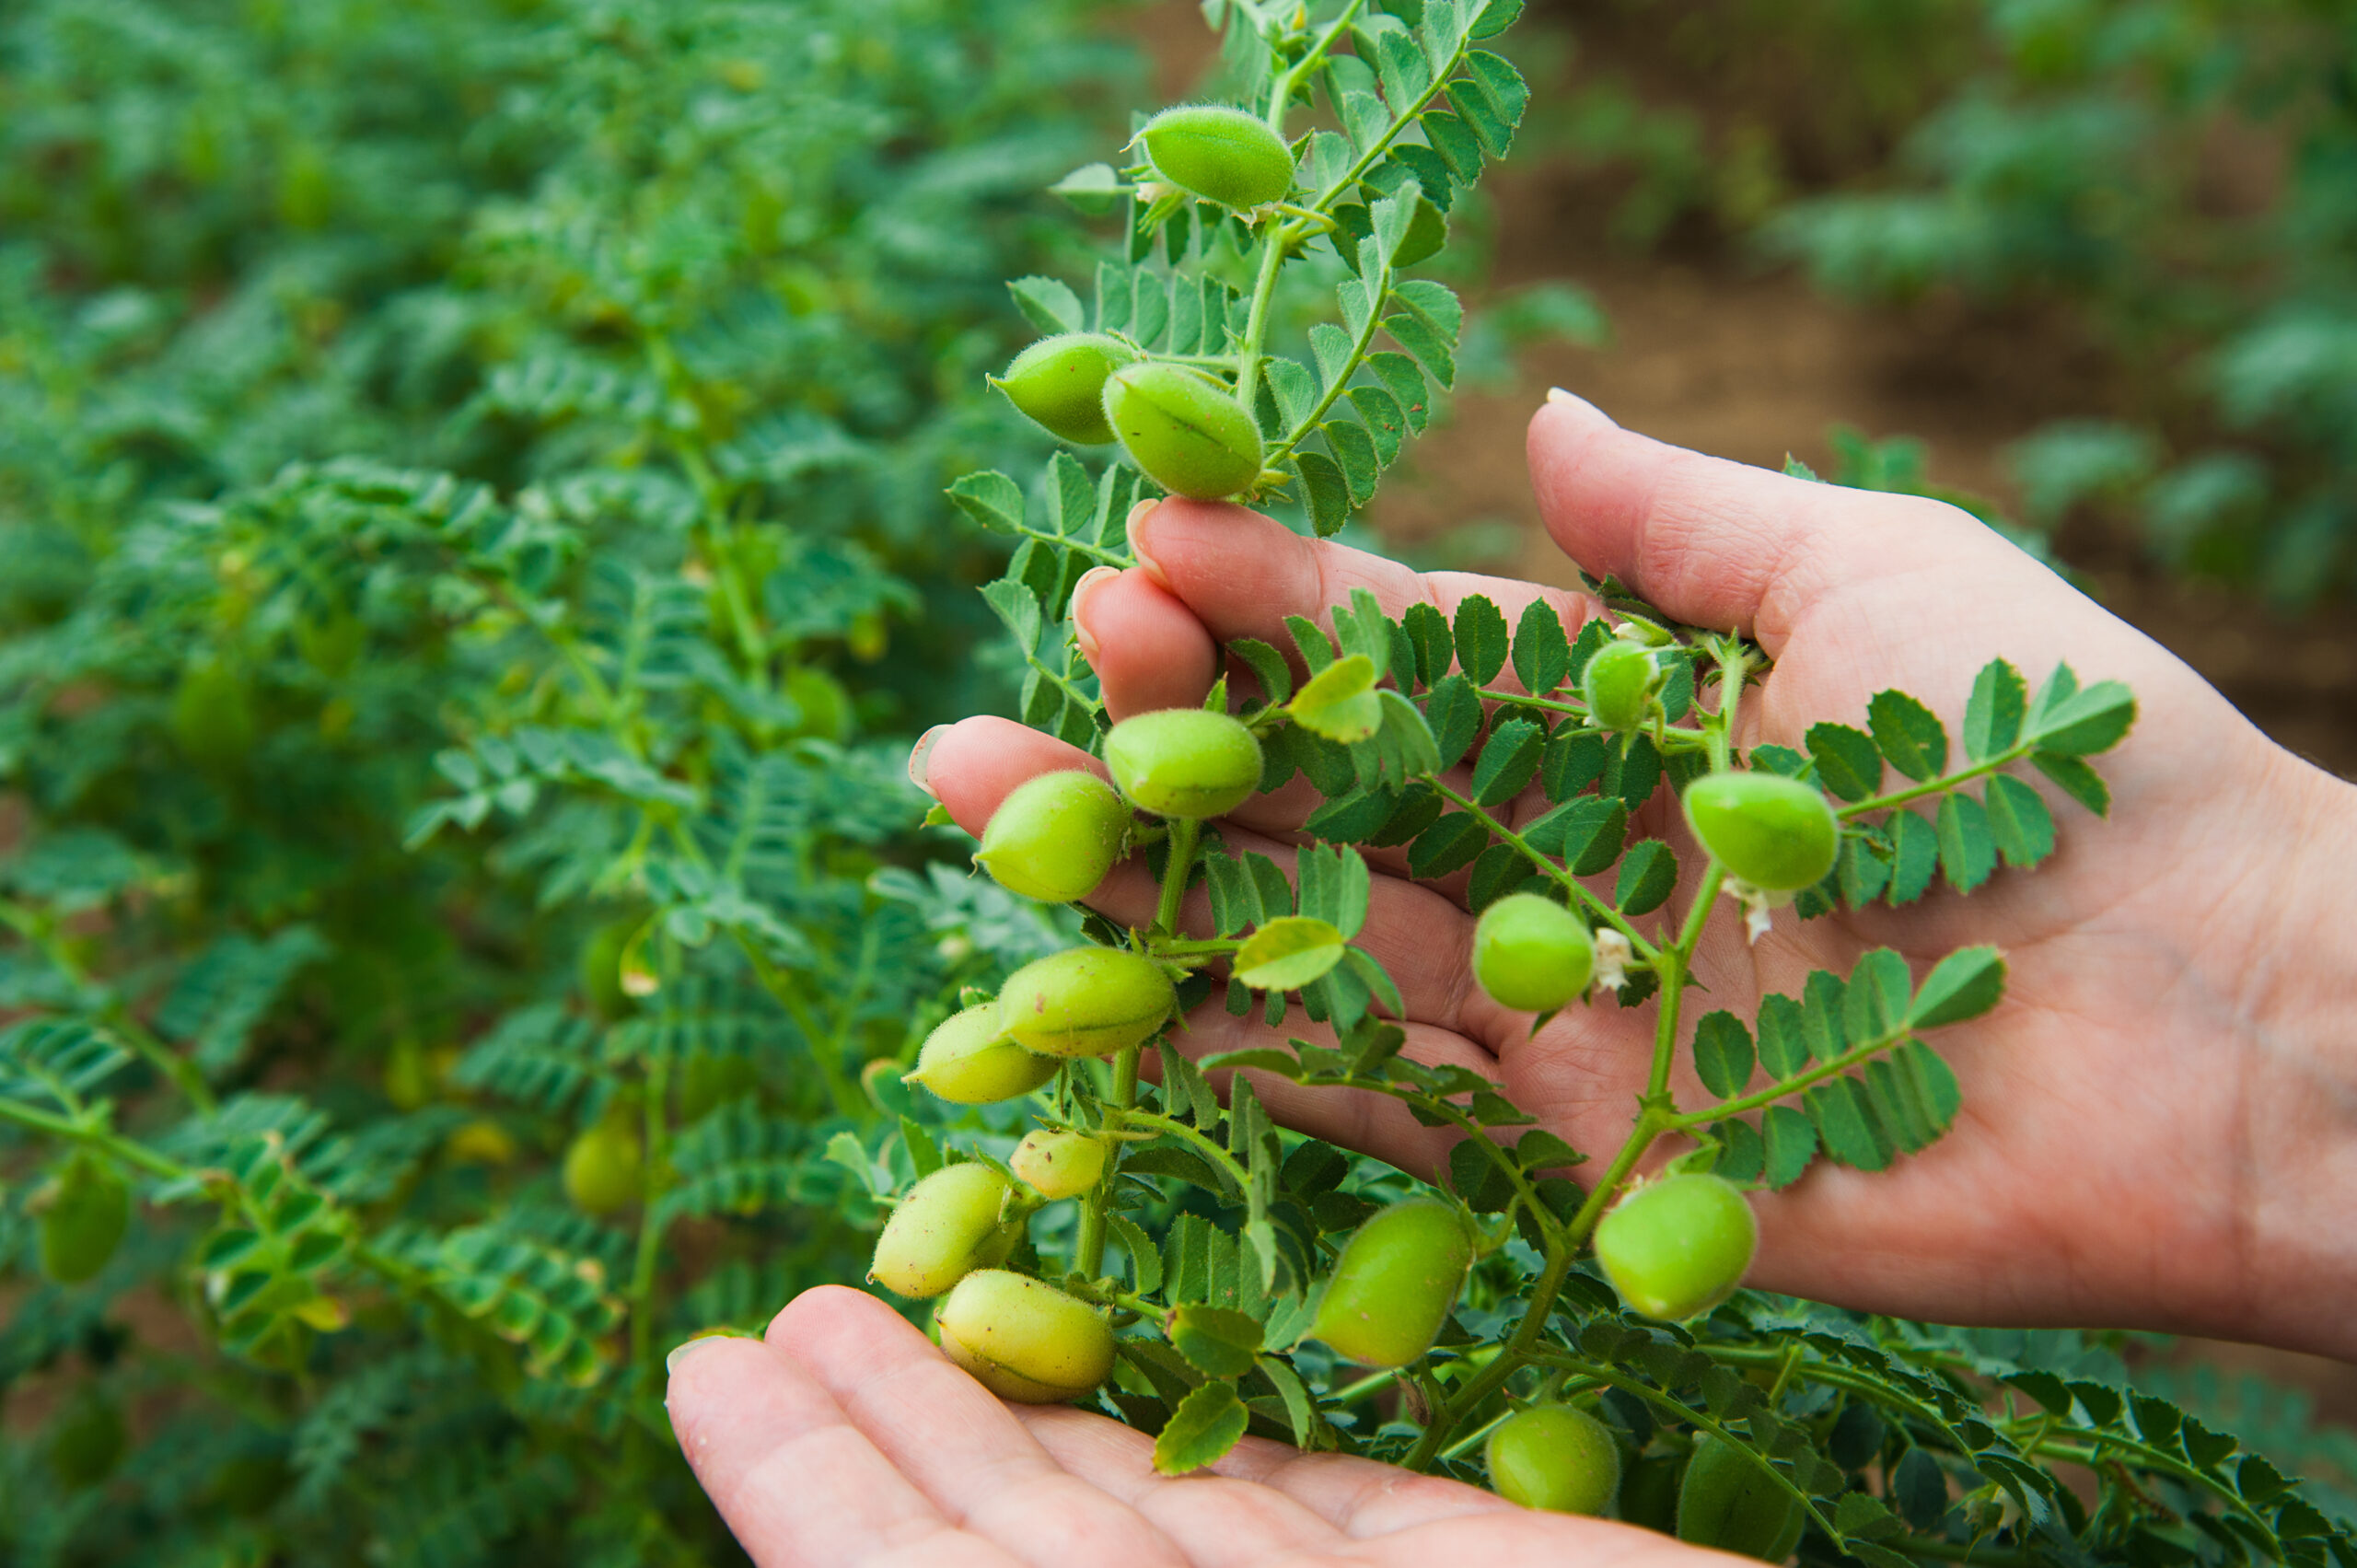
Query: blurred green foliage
{"type": "Point", "coordinates": [463, 468]}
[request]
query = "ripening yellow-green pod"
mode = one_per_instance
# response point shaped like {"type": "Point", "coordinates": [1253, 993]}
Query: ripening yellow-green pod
{"type": "Point", "coordinates": [1058, 1165]}
{"type": "Point", "coordinates": [951, 1223]}
{"type": "Point", "coordinates": [1086, 1002]}
{"type": "Point", "coordinates": [970, 1059]}
{"type": "Point", "coordinates": [1025, 1341]}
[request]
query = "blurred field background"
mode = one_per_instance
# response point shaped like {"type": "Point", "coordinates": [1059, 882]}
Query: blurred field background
{"type": "Point", "coordinates": [694, 298]}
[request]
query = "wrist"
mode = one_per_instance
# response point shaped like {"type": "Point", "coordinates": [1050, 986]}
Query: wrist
{"type": "Point", "coordinates": [2298, 1156]}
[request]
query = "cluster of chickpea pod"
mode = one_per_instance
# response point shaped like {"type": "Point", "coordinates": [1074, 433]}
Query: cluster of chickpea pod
{"type": "Point", "coordinates": [1674, 1248]}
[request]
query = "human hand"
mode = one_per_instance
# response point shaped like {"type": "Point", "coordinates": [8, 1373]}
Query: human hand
{"type": "Point", "coordinates": [2161, 1119]}
{"type": "Point", "coordinates": [845, 1439]}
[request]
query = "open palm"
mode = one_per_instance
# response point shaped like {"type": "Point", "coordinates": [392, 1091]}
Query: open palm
{"type": "Point", "coordinates": [2153, 1128]}
{"type": "Point", "coordinates": [845, 1439]}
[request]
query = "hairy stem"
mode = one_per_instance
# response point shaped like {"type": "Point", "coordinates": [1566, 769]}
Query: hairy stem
{"type": "Point", "coordinates": [1602, 909]}
{"type": "Point", "coordinates": [1088, 1258]}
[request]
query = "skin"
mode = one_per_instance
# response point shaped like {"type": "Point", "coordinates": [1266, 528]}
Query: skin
{"type": "Point", "coordinates": [2158, 1121]}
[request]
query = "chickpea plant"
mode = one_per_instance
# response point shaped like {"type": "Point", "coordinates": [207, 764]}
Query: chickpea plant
{"type": "Point", "coordinates": [1544, 1319]}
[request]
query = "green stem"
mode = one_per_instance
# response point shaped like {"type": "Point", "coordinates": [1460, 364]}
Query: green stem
{"type": "Point", "coordinates": [1512, 1357]}
{"type": "Point", "coordinates": [1735, 664]}
{"type": "Point", "coordinates": [1224, 1162]}
{"type": "Point", "coordinates": [1785, 1087]}
{"type": "Point", "coordinates": [1184, 833]}
{"type": "Point", "coordinates": [1937, 786]}
{"type": "Point", "coordinates": [1674, 966]}
{"type": "Point", "coordinates": [1600, 908]}
{"type": "Point", "coordinates": [1204, 949]}
{"type": "Point", "coordinates": [1089, 1256]}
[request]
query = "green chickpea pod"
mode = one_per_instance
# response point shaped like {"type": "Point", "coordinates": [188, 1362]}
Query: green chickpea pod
{"type": "Point", "coordinates": [1394, 1282]}
{"type": "Point", "coordinates": [1532, 954]}
{"type": "Point", "coordinates": [951, 1223]}
{"type": "Point", "coordinates": [970, 1059]}
{"type": "Point", "coordinates": [1678, 1247]}
{"type": "Point", "coordinates": [84, 1212]}
{"type": "Point", "coordinates": [602, 1167]}
{"type": "Point", "coordinates": [1220, 154]}
{"type": "Point", "coordinates": [1555, 1457]}
{"type": "Point", "coordinates": [1620, 682]}
{"type": "Point", "coordinates": [1772, 834]}
{"type": "Point", "coordinates": [1059, 1164]}
{"type": "Point", "coordinates": [1186, 763]}
{"type": "Point", "coordinates": [1059, 382]}
{"type": "Point", "coordinates": [1184, 429]}
{"type": "Point", "coordinates": [1054, 837]}
{"type": "Point", "coordinates": [1728, 1503]}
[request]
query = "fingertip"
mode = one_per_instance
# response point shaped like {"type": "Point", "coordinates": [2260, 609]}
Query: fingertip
{"type": "Point", "coordinates": [974, 763]}
{"type": "Point", "coordinates": [1148, 649]}
{"type": "Point", "coordinates": [830, 1312]}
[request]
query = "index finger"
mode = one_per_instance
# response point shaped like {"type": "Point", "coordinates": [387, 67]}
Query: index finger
{"type": "Point", "coordinates": [1242, 573]}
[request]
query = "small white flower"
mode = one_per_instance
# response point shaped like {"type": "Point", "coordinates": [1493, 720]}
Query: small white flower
{"type": "Point", "coordinates": [1756, 903]}
{"type": "Point", "coordinates": [1613, 956]}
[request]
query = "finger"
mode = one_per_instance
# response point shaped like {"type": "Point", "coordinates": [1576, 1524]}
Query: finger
{"type": "Point", "coordinates": [1148, 649]}
{"type": "Point", "coordinates": [1718, 543]}
{"type": "Point", "coordinates": [764, 1438]}
{"type": "Point", "coordinates": [952, 1438]}
{"type": "Point", "coordinates": [1215, 1519]}
{"type": "Point", "coordinates": [1242, 573]}
{"type": "Point", "coordinates": [1392, 1515]}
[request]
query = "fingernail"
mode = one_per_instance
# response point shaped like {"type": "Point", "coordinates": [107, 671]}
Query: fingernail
{"type": "Point", "coordinates": [919, 756]}
{"type": "Point", "coordinates": [1573, 400]}
{"type": "Point", "coordinates": [1140, 544]}
{"type": "Point", "coordinates": [681, 1352]}
{"type": "Point", "coordinates": [1089, 582]}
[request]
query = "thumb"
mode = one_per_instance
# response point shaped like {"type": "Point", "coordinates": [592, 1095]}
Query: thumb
{"type": "Point", "coordinates": [1718, 543]}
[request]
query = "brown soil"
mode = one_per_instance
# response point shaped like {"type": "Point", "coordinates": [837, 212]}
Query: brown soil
{"type": "Point", "coordinates": [1712, 354]}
